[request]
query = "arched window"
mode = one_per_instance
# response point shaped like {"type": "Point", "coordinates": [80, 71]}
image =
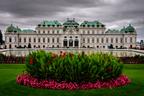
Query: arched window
{"type": "Point", "coordinates": [116, 40]}
{"type": "Point", "coordinates": [106, 40]}
{"type": "Point", "coordinates": [92, 40]}
{"type": "Point", "coordinates": [34, 40]}
{"type": "Point", "coordinates": [39, 40]}
{"type": "Point", "coordinates": [29, 39]}
{"type": "Point", "coordinates": [83, 40]}
{"type": "Point", "coordinates": [97, 40]}
{"type": "Point", "coordinates": [102, 40]}
{"type": "Point", "coordinates": [10, 40]}
{"type": "Point", "coordinates": [43, 40]}
{"type": "Point", "coordinates": [10, 46]}
{"type": "Point", "coordinates": [88, 40]}
{"type": "Point", "coordinates": [125, 39]}
{"type": "Point", "coordinates": [53, 40]}
{"type": "Point", "coordinates": [48, 40]}
{"type": "Point", "coordinates": [24, 40]}
{"type": "Point", "coordinates": [131, 40]}
{"type": "Point", "coordinates": [111, 40]}
{"type": "Point", "coordinates": [57, 40]}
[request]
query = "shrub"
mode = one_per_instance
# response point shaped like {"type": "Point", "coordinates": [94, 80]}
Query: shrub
{"type": "Point", "coordinates": [73, 67]}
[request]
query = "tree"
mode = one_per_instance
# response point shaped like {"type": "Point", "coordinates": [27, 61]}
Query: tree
{"type": "Point", "coordinates": [1, 38]}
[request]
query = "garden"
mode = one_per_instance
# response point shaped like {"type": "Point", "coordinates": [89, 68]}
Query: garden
{"type": "Point", "coordinates": [71, 74]}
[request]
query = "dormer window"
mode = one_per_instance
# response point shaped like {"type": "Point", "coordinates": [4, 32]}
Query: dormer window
{"type": "Point", "coordinates": [93, 25]}
{"type": "Point", "coordinates": [102, 25]}
{"type": "Point", "coordinates": [83, 25]}
{"type": "Point", "coordinates": [39, 25]}
{"type": "Point", "coordinates": [43, 25]}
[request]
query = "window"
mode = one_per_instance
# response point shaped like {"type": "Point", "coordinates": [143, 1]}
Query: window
{"type": "Point", "coordinates": [24, 40]}
{"type": "Point", "coordinates": [43, 40]}
{"type": "Point", "coordinates": [39, 31]}
{"type": "Point", "coordinates": [53, 32]}
{"type": "Point", "coordinates": [125, 40]}
{"type": "Point", "coordinates": [34, 40]}
{"type": "Point", "coordinates": [83, 40]}
{"type": "Point", "coordinates": [111, 40]}
{"type": "Point", "coordinates": [130, 39]}
{"type": "Point", "coordinates": [48, 32]}
{"type": "Point", "coordinates": [92, 40]}
{"type": "Point", "coordinates": [38, 39]}
{"type": "Point", "coordinates": [57, 31]}
{"type": "Point", "coordinates": [102, 40]}
{"type": "Point", "coordinates": [43, 32]}
{"type": "Point", "coordinates": [19, 39]}
{"type": "Point", "coordinates": [88, 32]}
{"type": "Point", "coordinates": [53, 40]}
{"type": "Point", "coordinates": [97, 40]}
{"type": "Point", "coordinates": [29, 39]}
{"type": "Point", "coordinates": [10, 46]}
{"type": "Point", "coordinates": [57, 40]}
{"type": "Point", "coordinates": [10, 40]}
{"type": "Point", "coordinates": [88, 40]}
{"type": "Point", "coordinates": [93, 32]}
{"type": "Point", "coordinates": [48, 40]}
{"type": "Point", "coordinates": [15, 39]}
{"type": "Point", "coordinates": [116, 40]}
{"type": "Point", "coordinates": [106, 40]}
{"type": "Point", "coordinates": [121, 40]}
{"type": "Point", "coordinates": [83, 31]}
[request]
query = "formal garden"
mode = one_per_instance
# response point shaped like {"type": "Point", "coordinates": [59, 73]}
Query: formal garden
{"type": "Point", "coordinates": [70, 74]}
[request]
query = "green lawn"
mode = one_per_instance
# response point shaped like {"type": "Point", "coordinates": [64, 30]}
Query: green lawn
{"type": "Point", "coordinates": [8, 86]}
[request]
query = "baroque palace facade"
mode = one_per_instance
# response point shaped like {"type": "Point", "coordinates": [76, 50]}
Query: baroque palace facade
{"type": "Point", "coordinates": [70, 34]}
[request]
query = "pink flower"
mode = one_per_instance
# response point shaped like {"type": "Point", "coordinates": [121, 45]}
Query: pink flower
{"type": "Point", "coordinates": [27, 80]}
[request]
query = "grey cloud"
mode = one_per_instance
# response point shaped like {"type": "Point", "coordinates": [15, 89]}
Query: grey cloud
{"type": "Point", "coordinates": [26, 13]}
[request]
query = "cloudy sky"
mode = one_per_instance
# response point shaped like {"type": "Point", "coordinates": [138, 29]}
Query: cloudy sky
{"type": "Point", "coordinates": [113, 13]}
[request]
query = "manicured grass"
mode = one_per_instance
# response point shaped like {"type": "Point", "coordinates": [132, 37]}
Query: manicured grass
{"type": "Point", "coordinates": [8, 86]}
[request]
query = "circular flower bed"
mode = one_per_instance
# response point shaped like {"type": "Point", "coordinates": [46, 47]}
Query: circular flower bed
{"type": "Point", "coordinates": [28, 80]}
{"type": "Point", "coordinates": [72, 71]}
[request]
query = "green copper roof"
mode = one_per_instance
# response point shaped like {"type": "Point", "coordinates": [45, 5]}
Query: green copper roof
{"type": "Point", "coordinates": [70, 23]}
{"type": "Point", "coordinates": [50, 23]}
{"type": "Point", "coordinates": [113, 31]}
{"type": "Point", "coordinates": [128, 29]}
{"type": "Point", "coordinates": [12, 28]}
{"type": "Point", "coordinates": [92, 24]}
{"type": "Point", "coordinates": [27, 30]}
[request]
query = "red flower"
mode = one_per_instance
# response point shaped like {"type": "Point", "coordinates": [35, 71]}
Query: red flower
{"type": "Point", "coordinates": [31, 60]}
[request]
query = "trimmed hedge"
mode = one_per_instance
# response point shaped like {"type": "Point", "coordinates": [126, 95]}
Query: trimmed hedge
{"type": "Point", "coordinates": [73, 67]}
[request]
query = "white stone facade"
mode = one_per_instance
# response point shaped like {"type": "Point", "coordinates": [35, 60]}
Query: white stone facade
{"type": "Point", "coordinates": [62, 36]}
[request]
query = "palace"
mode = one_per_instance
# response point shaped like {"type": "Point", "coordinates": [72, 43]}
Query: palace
{"type": "Point", "coordinates": [70, 34]}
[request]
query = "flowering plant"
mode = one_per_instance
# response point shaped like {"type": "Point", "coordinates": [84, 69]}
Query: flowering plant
{"type": "Point", "coordinates": [28, 80]}
{"type": "Point", "coordinates": [73, 67]}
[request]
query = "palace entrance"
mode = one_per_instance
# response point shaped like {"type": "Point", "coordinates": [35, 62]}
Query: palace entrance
{"type": "Point", "coordinates": [70, 43]}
